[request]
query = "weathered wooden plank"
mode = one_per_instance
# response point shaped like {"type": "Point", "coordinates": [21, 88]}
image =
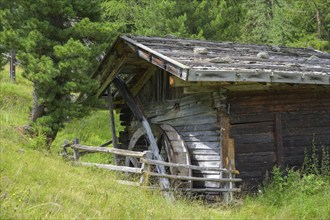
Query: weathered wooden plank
{"type": "Point", "coordinates": [299, 130]}
{"type": "Point", "coordinates": [200, 127]}
{"type": "Point", "coordinates": [281, 106]}
{"type": "Point", "coordinates": [250, 118]}
{"type": "Point", "coordinates": [255, 175]}
{"type": "Point", "coordinates": [296, 140]}
{"type": "Point", "coordinates": [201, 138]}
{"type": "Point", "coordinates": [196, 157]}
{"type": "Point", "coordinates": [265, 137]}
{"type": "Point", "coordinates": [200, 133]}
{"type": "Point", "coordinates": [251, 128]}
{"type": "Point", "coordinates": [155, 162]}
{"type": "Point", "coordinates": [176, 107]}
{"type": "Point", "coordinates": [257, 75]}
{"type": "Point", "coordinates": [318, 116]}
{"type": "Point", "coordinates": [206, 163]}
{"type": "Point", "coordinates": [205, 151]}
{"type": "Point", "coordinates": [281, 99]}
{"type": "Point", "coordinates": [194, 178]}
{"type": "Point", "coordinates": [293, 93]}
{"type": "Point", "coordinates": [254, 157]}
{"type": "Point", "coordinates": [109, 150]}
{"type": "Point", "coordinates": [196, 190]}
{"type": "Point", "coordinates": [110, 167]}
{"type": "Point", "coordinates": [253, 147]}
{"type": "Point", "coordinates": [203, 145]}
{"type": "Point", "coordinates": [297, 150]}
{"type": "Point", "coordinates": [196, 119]}
{"type": "Point", "coordinates": [252, 166]}
{"type": "Point", "coordinates": [182, 113]}
{"type": "Point", "coordinates": [279, 140]}
{"type": "Point", "coordinates": [188, 100]}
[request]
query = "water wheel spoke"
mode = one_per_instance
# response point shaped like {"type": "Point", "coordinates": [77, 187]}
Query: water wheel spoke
{"type": "Point", "coordinates": [166, 137]}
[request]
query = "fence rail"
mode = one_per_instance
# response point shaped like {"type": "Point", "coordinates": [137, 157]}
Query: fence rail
{"type": "Point", "coordinates": [144, 170]}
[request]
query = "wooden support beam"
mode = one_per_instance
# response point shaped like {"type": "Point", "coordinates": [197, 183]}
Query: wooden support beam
{"type": "Point", "coordinates": [143, 79]}
{"type": "Point", "coordinates": [231, 155]}
{"type": "Point", "coordinates": [110, 77]}
{"type": "Point", "coordinates": [224, 129]}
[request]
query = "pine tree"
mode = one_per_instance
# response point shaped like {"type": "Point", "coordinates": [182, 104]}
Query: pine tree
{"type": "Point", "coordinates": [57, 43]}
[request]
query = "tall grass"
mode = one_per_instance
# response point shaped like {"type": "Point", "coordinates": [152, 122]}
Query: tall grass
{"type": "Point", "coordinates": [38, 184]}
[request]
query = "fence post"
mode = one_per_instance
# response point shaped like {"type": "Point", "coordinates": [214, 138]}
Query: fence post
{"type": "Point", "coordinates": [75, 150]}
{"type": "Point", "coordinates": [12, 70]}
{"type": "Point", "coordinates": [145, 167]}
{"type": "Point", "coordinates": [112, 124]}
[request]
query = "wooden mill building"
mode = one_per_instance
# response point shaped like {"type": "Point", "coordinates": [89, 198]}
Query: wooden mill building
{"type": "Point", "coordinates": [219, 104]}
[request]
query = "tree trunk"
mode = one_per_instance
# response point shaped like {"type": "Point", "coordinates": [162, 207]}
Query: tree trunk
{"type": "Point", "coordinates": [38, 109]}
{"type": "Point", "coordinates": [318, 19]}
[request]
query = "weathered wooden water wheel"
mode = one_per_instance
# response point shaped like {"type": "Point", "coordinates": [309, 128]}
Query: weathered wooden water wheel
{"type": "Point", "coordinates": [171, 148]}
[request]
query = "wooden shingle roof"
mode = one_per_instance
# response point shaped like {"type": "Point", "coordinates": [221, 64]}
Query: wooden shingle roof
{"type": "Point", "coordinates": [199, 60]}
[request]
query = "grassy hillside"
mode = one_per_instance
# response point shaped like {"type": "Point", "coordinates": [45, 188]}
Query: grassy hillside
{"type": "Point", "coordinates": [38, 184]}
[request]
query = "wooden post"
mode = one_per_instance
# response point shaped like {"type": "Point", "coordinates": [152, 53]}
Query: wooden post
{"type": "Point", "coordinates": [225, 141]}
{"type": "Point", "coordinates": [231, 166]}
{"type": "Point", "coordinates": [225, 128]}
{"type": "Point", "coordinates": [75, 150]}
{"type": "Point", "coordinates": [12, 66]}
{"type": "Point", "coordinates": [112, 123]}
{"type": "Point", "coordinates": [145, 167]}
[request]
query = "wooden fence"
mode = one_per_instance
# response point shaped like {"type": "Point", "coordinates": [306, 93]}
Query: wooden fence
{"type": "Point", "coordinates": [145, 172]}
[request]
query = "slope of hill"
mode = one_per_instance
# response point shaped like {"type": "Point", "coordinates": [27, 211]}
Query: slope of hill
{"type": "Point", "coordinates": [38, 184]}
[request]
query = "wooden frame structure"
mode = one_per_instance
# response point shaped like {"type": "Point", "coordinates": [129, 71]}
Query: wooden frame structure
{"type": "Point", "coordinates": [216, 104]}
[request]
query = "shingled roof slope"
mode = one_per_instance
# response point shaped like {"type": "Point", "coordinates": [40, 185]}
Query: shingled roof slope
{"type": "Point", "coordinates": [207, 60]}
{"type": "Point", "coordinates": [199, 60]}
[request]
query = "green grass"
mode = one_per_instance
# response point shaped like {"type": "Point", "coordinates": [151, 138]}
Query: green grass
{"type": "Point", "coordinates": [38, 184]}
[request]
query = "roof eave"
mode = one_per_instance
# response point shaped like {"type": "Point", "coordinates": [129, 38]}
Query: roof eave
{"type": "Point", "coordinates": [172, 66]}
{"type": "Point", "coordinates": [259, 76]}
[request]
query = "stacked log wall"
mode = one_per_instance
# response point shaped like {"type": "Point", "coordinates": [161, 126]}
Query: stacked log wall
{"type": "Point", "coordinates": [262, 141]}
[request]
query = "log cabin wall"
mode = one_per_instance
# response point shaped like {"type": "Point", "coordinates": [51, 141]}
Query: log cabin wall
{"type": "Point", "coordinates": [273, 128]}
